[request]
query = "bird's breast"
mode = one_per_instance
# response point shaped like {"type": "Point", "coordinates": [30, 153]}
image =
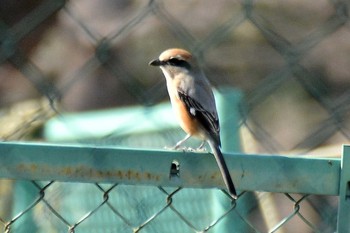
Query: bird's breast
{"type": "Point", "coordinates": [187, 121]}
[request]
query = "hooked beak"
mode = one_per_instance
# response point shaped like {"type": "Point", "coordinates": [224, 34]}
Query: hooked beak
{"type": "Point", "coordinates": [155, 62]}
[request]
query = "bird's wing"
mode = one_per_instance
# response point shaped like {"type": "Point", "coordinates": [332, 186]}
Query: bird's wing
{"type": "Point", "coordinates": [208, 120]}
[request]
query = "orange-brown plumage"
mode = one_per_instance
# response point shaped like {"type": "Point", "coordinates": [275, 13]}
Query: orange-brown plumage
{"type": "Point", "coordinates": [176, 52]}
{"type": "Point", "coordinates": [187, 122]}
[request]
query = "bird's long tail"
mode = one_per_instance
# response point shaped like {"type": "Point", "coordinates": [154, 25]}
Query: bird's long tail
{"type": "Point", "coordinates": [223, 168]}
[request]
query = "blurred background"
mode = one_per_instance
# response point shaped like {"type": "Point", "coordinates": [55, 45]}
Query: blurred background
{"type": "Point", "coordinates": [290, 59]}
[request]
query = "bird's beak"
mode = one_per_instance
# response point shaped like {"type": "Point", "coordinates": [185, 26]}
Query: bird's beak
{"type": "Point", "coordinates": [155, 62]}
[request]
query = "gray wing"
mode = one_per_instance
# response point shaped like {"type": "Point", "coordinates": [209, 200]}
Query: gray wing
{"type": "Point", "coordinates": [208, 119]}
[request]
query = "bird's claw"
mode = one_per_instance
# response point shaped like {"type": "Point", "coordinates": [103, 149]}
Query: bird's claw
{"type": "Point", "coordinates": [184, 149]}
{"type": "Point", "coordinates": [188, 149]}
{"type": "Point", "coordinates": [201, 149]}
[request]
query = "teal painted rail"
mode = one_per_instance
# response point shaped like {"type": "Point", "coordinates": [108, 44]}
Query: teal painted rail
{"type": "Point", "coordinates": [152, 167]}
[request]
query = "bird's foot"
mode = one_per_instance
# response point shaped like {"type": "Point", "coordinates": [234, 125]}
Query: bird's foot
{"type": "Point", "coordinates": [182, 148]}
{"type": "Point", "coordinates": [188, 149]}
{"type": "Point", "coordinates": [201, 149]}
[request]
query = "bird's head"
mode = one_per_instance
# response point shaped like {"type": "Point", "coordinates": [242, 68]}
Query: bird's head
{"type": "Point", "coordinates": [174, 58]}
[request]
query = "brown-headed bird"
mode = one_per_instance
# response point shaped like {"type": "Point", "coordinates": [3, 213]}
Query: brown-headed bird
{"type": "Point", "coordinates": [193, 101]}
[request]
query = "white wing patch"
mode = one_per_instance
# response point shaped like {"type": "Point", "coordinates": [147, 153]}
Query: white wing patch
{"type": "Point", "coordinates": [193, 111]}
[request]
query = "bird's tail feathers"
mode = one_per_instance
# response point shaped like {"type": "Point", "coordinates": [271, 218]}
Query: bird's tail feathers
{"type": "Point", "coordinates": [223, 168]}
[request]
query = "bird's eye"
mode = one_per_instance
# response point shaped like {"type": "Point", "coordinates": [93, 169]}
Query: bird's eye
{"type": "Point", "coordinates": [177, 62]}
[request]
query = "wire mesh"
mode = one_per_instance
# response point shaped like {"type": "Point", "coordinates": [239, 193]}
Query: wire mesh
{"type": "Point", "coordinates": [289, 57]}
{"type": "Point", "coordinates": [106, 208]}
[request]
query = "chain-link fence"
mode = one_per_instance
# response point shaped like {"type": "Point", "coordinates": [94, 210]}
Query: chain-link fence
{"type": "Point", "coordinates": [289, 58]}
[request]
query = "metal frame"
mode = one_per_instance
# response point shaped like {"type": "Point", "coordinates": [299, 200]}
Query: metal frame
{"type": "Point", "coordinates": [32, 161]}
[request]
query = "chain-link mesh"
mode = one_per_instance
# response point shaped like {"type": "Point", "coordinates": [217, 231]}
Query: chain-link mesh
{"type": "Point", "coordinates": [290, 58]}
{"type": "Point", "coordinates": [121, 208]}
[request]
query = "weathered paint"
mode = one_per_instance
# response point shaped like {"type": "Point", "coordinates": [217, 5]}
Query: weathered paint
{"type": "Point", "coordinates": [77, 163]}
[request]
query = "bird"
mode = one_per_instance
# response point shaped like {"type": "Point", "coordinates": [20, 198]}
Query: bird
{"type": "Point", "coordinates": [193, 101]}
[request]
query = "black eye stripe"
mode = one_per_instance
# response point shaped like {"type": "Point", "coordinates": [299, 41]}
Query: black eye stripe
{"type": "Point", "coordinates": [178, 62]}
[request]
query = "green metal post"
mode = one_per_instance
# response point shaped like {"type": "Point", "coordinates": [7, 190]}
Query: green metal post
{"type": "Point", "coordinates": [343, 225]}
{"type": "Point", "coordinates": [228, 100]}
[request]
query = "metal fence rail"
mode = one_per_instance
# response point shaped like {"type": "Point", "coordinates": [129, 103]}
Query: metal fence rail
{"type": "Point", "coordinates": [289, 58]}
{"type": "Point", "coordinates": [127, 166]}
